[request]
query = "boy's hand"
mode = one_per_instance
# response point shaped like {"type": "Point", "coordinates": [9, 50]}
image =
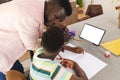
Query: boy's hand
{"type": "Point", "coordinates": [78, 50]}
{"type": "Point", "coordinates": [67, 63]}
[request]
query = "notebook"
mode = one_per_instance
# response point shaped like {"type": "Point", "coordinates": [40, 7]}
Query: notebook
{"type": "Point", "coordinates": [92, 34]}
{"type": "Point", "coordinates": [113, 46]}
{"type": "Point", "coordinates": [89, 63]}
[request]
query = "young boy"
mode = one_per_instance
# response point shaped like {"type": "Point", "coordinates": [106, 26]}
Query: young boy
{"type": "Point", "coordinates": [44, 68]}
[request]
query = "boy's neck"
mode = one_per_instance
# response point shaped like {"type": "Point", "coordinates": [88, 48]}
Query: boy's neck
{"type": "Point", "coordinates": [47, 55]}
{"type": "Point", "coordinates": [42, 55]}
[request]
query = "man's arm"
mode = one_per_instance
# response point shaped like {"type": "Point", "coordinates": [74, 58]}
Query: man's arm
{"type": "Point", "coordinates": [28, 30]}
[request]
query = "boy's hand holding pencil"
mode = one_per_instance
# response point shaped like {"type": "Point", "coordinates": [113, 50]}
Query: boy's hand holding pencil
{"type": "Point", "coordinates": [66, 62]}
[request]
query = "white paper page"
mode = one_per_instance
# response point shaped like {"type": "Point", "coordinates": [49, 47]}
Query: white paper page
{"type": "Point", "coordinates": [90, 64]}
{"type": "Point", "coordinates": [70, 55]}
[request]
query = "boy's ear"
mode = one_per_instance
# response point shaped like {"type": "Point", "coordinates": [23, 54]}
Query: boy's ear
{"type": "Point", "coordinates": [62, 49]}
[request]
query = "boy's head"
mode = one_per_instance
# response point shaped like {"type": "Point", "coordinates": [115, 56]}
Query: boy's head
{"type": "Point", "coordinates": [53, 40]}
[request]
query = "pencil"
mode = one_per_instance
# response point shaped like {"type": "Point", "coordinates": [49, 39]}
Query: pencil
{"type": "Point", "coordinates": [60, 58]}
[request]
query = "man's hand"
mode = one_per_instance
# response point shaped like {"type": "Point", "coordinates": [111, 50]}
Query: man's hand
{"type": "Point", "coordinates": [63, 26]}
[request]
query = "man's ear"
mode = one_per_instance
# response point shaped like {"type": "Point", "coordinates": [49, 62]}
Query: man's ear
{"type": "Point", "coordinates": [41, 42]}
{"type": "Point", "coordinates": [48, 7]}
{"type": "Point", "coordinates": [48, 4]}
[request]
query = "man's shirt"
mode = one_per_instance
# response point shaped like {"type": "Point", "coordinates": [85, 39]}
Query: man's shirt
{"type": "Point", "coordinates": [21, 23]}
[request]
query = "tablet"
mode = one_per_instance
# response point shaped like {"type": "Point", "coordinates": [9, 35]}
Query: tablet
{"type": "Point", "coordinates": [92, 33]}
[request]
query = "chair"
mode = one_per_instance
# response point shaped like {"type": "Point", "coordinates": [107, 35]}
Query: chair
{"type": "Point", "coordinates": [94, 10]}
{"type": "Point", "coordinates": [118, 8]}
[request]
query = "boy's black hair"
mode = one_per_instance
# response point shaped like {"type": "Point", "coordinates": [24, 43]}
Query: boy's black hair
{"type": "Point", "coordinates": [66, 5]}
{"type": "Point", "coordinates": [53, 39]}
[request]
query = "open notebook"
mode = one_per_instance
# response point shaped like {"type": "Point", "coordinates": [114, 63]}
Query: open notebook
{"type": "Point", "coordinates": [90, 64]}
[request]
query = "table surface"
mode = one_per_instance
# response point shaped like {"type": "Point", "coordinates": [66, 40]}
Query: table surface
{"type": "Point", "coordinates": [110, 24]}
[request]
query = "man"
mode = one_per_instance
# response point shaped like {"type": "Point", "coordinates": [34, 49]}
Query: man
{"type": "Point", "coordinates": [22, 24]}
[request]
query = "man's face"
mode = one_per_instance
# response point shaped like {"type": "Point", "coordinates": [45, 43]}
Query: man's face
{"type": "Point", "coordinates": [55, 17]}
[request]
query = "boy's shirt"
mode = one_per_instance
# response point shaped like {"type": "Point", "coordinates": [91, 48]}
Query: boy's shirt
{"type": "Point", "coordinates": [46, 69]}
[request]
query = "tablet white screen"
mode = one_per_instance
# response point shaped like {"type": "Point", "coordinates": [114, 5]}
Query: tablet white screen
{"type": "Point", "coordinates": [92, 34]}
